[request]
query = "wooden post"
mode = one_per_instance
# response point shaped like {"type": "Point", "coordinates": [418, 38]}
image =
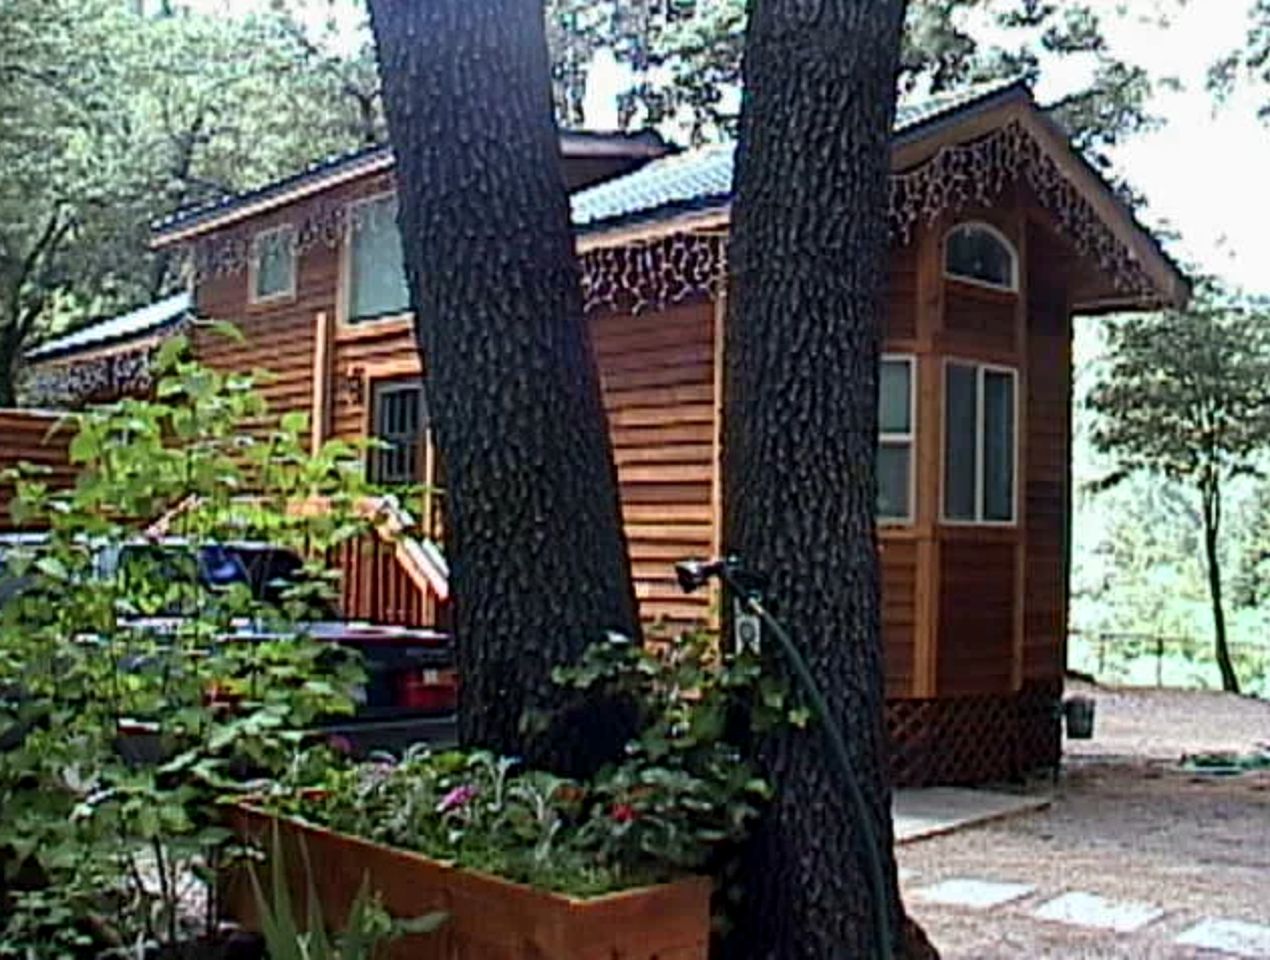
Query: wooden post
{"type": "Point", "coordinates": [320, 417]}
{"type": "Point", "coordinates": [716, 486]}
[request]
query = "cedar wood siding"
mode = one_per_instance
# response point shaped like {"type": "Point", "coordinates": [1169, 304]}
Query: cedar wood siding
{"type": "Point", "coordinates": [956, 617]}
{"type": "Point", "coordinates": [35, 438]}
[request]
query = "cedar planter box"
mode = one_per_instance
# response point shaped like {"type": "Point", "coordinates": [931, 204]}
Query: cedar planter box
{"type": "Point", "coordinates": [489, 918]}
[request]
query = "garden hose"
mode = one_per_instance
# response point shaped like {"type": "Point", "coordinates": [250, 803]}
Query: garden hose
{"type": "Point", "coordinates": [838, 750]}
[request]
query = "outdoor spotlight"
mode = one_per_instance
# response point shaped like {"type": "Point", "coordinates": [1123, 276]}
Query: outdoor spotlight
{"type": "Point", "coordinates": [694, 573]}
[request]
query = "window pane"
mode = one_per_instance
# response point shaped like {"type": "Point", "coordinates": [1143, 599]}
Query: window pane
{"type": "Point", "coordinates": [960, 425]}
{"type": "Point", "coordinates": [401, 420]}
{"type": "Point", "coordinates": [378, 277]}
{"type": "Point", "coordinates": [275, 265]}
{"type": "Point", "coordinates": [998, 446]}
{"type": "Point", "coordinates": [893, 466]}
{"type": "Point", "coordinates": [978, 254]}
{"type": "Point", "coordinates": [894, 415]}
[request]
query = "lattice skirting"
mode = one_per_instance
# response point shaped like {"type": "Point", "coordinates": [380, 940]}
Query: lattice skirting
{"type": "Point", "coordinates": [979, 739]}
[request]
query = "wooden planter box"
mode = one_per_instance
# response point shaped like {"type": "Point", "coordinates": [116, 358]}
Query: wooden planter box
{"type": "Point", "coordinates": [489, 918]}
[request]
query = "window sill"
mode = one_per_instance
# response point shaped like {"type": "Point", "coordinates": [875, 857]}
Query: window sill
{"type": "Point", "coordinates": [376, 327]}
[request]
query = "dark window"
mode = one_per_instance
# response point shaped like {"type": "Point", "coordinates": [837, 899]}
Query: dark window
{"type": "Point", "coordinates": [979, 443]}
{"type": "Point", "coordinates": [401, 423]}
{"type": "Point", "coordinates": [977, 253]}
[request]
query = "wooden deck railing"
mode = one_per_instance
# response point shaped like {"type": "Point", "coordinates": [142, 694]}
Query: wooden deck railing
{"type": "Point", "coordinates": [390, 575]}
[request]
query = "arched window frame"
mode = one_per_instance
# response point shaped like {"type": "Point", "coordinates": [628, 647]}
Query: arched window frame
{"type": "Point", "coordinates": [1000, 238]}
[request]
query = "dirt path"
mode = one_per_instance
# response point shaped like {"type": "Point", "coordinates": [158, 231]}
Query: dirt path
{"type": "Point", "coordinates": [1126, 824]}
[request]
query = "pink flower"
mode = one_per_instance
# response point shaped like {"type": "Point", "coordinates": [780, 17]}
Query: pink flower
{"type": "Point", "coordinates": [622, 813]}
{"type": "Point", "coordinates": [340, 744]}
{"type": "Point", "coordinates": [460, 796]}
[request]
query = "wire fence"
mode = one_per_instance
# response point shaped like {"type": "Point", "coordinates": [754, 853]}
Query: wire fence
{"type": "Point", "coordinates": [1144, 659]}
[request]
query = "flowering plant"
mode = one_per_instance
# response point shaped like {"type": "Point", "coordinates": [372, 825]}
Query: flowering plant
{"type": "Point", "coordinates": [680, 795]}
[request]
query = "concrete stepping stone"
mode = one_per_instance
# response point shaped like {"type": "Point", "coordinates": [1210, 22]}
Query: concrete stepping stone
{"type": "Point", "coordinates": [1080, 909]}
{"type": "Point", "coordinates": [1237, 937]}
{"type": "Point", "coordinates": [972, 893]}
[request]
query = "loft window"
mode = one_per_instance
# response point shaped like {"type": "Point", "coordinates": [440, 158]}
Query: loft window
{"type": "Point", "coordinates": [400, 424]}
{"type": "Point", "coordinates": [980, 414]}
{"type": "Point", "coordinates": [978, 253]}
{"type": "Point", "coordinates": [376, 270]}
{"type": "Point", "coordinates": [895, 438]}
{"type": "Point", "coordinates": [273, 264]}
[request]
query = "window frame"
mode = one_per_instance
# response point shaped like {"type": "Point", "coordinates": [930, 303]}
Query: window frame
{"type": "Point", "coordinates": [996, 232]}
{"type": "Point", "coordinates": [894, 438]}
{"type": "Point", "coordinates": [981, 367]}
{"type": "Point", "coordinates": [389, 385]}
{"type": "Point", "coordinates": [254, 297]}
{"type": "Point", "coordinates": [346, 269]}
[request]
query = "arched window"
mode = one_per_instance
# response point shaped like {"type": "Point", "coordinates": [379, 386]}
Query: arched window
{"type": "Point", "coordinates": [979, 253]}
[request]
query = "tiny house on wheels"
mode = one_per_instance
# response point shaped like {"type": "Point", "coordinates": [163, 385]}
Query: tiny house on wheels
{"type": "Point", "coordinates": [1000, 232]}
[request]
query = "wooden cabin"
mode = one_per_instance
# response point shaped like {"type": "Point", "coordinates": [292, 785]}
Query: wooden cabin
{"type": "Point", "coordinates": [1000, 235]}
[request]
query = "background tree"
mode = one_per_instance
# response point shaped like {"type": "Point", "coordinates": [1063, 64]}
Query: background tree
{"type": "Point", "coordinates": [109, 118]}
{"type": "Point", "coordinates": [1186, 396]}
{"type": "Point", "coordinates": [685, 59]}
{"type": "Point", "coordinates": [806, 267]}
{"type": "Point", "coordinates": [1249, 63]}
{"type": "Point", "coordinates": [535, 540]}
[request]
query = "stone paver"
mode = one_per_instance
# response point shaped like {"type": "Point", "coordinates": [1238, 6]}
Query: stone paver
{"type": "Point", "coordinates": [1082, 909]}
{"type": "Point", "coordinates": [921, 813]}
{"type": "Point", "coordinates": [972, 893]}
{"type": "Point", "coordinates": [1237, 937]}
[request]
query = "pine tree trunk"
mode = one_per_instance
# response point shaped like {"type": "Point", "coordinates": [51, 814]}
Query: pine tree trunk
{"type": "Point", "coordinates": [1212, 567]}
{"type": "Point", "coordinates": [538, 556]}
{"type": "Point", "coordinates": [808, 262]}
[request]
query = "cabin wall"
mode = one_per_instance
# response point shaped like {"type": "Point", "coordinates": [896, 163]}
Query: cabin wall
{"type": "Point", "coordinates": [968, 609]}
{"type": "Point", "coordinates": [32, 437]}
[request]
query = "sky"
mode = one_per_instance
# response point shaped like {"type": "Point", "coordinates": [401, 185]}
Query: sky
{"type": "Point", "coordinates": [1204, 173]}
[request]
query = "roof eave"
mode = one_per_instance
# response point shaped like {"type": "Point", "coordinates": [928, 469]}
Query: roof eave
{"type": "Point", "coordinates": [573, 145]}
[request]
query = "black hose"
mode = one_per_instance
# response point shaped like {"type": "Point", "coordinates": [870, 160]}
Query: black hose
{"type": "Point", "coordinates": [838, 749]}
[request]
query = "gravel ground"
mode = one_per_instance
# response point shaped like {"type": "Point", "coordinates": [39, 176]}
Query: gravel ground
{"type": "Point", "coordinates": [1126, 823]}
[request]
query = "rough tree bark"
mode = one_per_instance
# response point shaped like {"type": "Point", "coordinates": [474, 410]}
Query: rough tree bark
{"type": "Point", "coordinates": [808, 260]}
{"type": "Point", "coordinates": [537, 550]}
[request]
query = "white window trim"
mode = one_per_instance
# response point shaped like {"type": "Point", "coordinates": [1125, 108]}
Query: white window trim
{"type": "Point", "coordinates": [253, 267]}
{"type": "Point", "coordinates": [909, 438]}
{"type": "Point", "coordinates": [345, 306]}
{"type": "Point", "coordinates": [974, 281]}
{"type": "Point", "coordinates": [980, 367]}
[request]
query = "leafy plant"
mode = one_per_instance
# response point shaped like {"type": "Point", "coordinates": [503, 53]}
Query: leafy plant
{"type": "Point", "coordinates": [135, 693]}
{"type": "Point", "coordinates": [682, 793]}
{"type": "Point", "coordinates": [368, 924]}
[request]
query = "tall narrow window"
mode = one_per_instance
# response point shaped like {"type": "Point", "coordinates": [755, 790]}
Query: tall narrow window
{"type": "Point", "coordinates": [376, 270]}
{"type": "Point", "coordinates": [401, 424]}
{"type": "Point", "coordinates": [895, 438]}
{"type": "Point", "coordinates": [273, 265]}
{"type": "Point", "coordinates": [980, 415]}
{"type": "Point", "coordinates": [980, 254]}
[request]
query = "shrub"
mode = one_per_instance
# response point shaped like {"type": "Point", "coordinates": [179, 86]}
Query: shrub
{"type": "Point", "coordinates": [127, 711]}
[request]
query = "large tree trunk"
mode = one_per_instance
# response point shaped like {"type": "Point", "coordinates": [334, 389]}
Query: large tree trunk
{"type": "Point", "coordinates": [537, 550]}
{"type": "Point", "coordinates": [808, 262]}
{"type": "Point", "coordinates": [1212, 567]}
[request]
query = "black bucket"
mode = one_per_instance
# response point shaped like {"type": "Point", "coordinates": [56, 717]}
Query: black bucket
{"type": "Point", "coordinates": [1079, 714]}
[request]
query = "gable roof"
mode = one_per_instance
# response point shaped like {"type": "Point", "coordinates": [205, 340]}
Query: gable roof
{"type": "Point", "coordinates": [148, 320]}
{"type": "Point", "coordinates": [702, 179]}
